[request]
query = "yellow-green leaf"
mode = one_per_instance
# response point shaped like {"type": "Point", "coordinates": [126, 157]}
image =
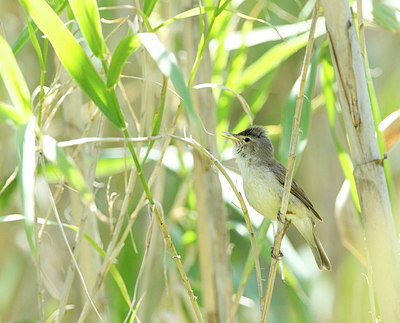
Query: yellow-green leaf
{"type": "Point", "coordinates": [14, 81]}
{"type": "Point", "coordinates": [87, 15]}
{"type": "Point", "coordinates": [124, 49]}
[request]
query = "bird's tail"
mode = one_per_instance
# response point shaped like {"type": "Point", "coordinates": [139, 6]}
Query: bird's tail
{"type": "Point", "coordinates": [320, 256]}
{"type": "Point", "coordinates": [305, 226]}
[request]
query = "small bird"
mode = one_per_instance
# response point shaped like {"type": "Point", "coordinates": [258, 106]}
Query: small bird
{"type": "Point", "coordinates": [263, 182]}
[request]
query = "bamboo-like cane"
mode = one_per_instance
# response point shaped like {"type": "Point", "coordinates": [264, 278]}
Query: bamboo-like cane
{"type": "Point", "coordinates": [290, 167]}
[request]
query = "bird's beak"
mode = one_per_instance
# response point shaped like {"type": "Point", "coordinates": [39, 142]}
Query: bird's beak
{"type": "Point", "coordinates": [230, 135]}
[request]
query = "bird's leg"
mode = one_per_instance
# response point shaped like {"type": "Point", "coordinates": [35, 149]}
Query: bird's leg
{"type": "Point", "coordinates": [274, 256]}
{"type": "Point", "coordinates": [279, 217]}
{"type": "Point", "coordinates": [286, 227]}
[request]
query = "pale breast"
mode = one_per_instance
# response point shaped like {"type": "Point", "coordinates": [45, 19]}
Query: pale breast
{"type": "Point", "coordinates": [264, 193]}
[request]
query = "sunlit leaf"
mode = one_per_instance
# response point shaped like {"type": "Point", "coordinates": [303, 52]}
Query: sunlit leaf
{"type": "Point", "coordinates": [125, 48]}
{"type": "Point", "coordinates": [87, 15]}
{"type": "Point", "coordinates": [186, 14]}
{"type": "Point", "coordinates": [148, 7]}
{"type": "Point", "coordinates": [257, 36]}
{"type": "Point", "coordinates": [14, 81]}
{"type": "Point", "coordinates": [74, 59]}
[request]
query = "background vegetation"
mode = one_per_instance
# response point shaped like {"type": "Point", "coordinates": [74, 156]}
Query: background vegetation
{"type": "Point", "coordinates": [75, 70]}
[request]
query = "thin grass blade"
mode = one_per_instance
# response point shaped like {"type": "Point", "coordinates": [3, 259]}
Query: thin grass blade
{"type": "Point", "coordinates": [186, 14]}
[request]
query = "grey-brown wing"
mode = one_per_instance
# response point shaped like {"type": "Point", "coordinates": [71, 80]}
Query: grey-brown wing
{"type": "Point", "coordinates": [296, 190]}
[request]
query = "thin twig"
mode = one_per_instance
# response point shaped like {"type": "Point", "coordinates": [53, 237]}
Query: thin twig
{"type": "Point", "coordinates": [10, 179]}
{"type": "Point", "coordinates": [290, 167]}
{"type": "Point", "coordinates": [221, 168]}
{"type": "Point", "coordinates": [89, 140]}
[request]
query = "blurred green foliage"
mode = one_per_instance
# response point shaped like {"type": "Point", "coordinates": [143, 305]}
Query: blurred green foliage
{"type": "Point", "coordinates": [255, 49]}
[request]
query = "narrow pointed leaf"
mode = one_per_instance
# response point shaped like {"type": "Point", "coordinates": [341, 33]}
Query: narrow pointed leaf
{"type": "Point", "coordinates": [14, 81]}
{"type": "Point", "coordinates": [125, 48]}
{"type": "Point", "coordinates": [87, 15]}
{"type": "Point", "coordinates": [148, 7]}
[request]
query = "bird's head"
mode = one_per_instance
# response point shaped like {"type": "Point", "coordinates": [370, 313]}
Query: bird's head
{"type": "Point", "coordinates": [251, 143]}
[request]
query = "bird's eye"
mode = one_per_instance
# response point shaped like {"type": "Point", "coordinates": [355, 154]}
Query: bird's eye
{"type": "Point", "coordinates": [247, 139]}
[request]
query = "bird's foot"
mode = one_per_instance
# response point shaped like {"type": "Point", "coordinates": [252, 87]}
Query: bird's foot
{"type": "Point", "coordinates": [274, 256]}
{"type": "Point", "coordinates": [279, 217]}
